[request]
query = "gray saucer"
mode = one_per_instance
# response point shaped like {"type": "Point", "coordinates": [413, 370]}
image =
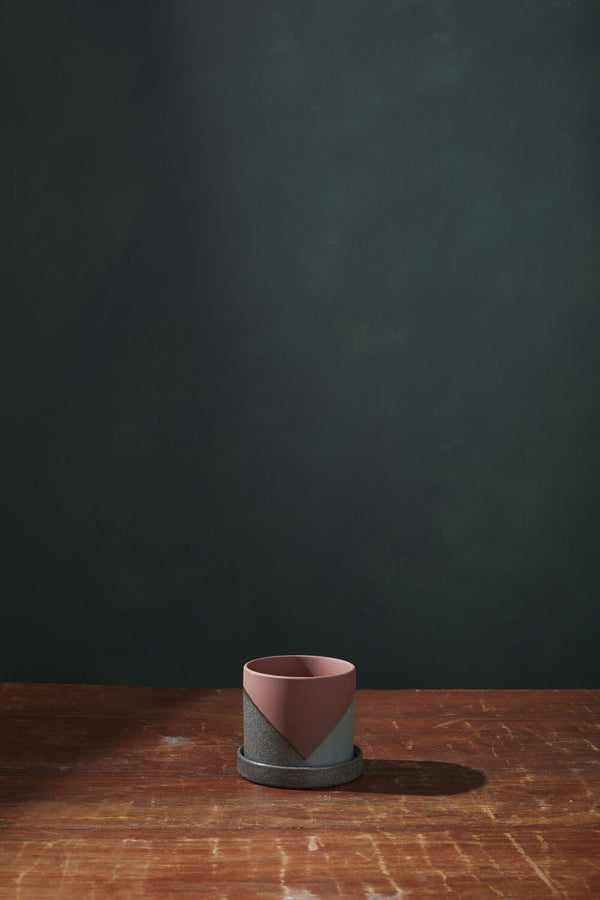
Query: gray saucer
{"type": "Point", "coordinates": [300, 776]}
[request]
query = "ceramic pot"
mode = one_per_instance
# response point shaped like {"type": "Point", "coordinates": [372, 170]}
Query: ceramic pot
{"type": "Point", "coordinates": [299, 722]}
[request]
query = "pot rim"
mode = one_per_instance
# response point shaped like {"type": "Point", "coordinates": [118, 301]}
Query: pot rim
{"type": "Point", "coordinates": [345, 667]}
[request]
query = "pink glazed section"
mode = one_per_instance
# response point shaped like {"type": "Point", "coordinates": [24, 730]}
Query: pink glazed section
{"type": "Point", "coordinates": [303, 697]}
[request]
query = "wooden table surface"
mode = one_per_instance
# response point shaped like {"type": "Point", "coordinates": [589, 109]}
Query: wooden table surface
{"type": "Point", "coordinates": [128, 792]}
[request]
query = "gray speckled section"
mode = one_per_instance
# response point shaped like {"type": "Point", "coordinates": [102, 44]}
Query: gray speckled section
{"type": "Point", "coordinates": [300, 776]}
{"type": "Point", "coordinates": [264, 744]}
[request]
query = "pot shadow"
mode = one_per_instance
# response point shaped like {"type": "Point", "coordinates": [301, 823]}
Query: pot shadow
{"type": "Point", "coordinates": [425, 778]}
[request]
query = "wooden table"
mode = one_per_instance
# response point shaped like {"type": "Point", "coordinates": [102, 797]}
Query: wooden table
{"type": "Point", "coordinates": [133, 792]}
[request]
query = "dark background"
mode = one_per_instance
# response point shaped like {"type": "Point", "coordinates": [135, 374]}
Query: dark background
{"type": "Point", "coordinates": [300, 339]}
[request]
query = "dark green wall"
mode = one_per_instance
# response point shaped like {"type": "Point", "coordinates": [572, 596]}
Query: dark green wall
{"type": "Point", "coordinates": [301, 346]}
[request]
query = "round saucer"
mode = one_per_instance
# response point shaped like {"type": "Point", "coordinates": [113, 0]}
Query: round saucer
{"type": "Point", "coordinates": [300, 776]}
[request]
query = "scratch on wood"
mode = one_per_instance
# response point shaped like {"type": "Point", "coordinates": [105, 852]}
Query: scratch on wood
{"type": "Point", "coordinates": [372, 894]}
{"type": "Point", "coordinates": [533, 864]}
{"type": "Point", "coordinates": [383, 865]}
{"type": "Point", "coordinates": [284, 863]}
{"type": "Point", "coordinates": [449, 722]}
{"type": "Point", "coordinates": [120, 810]}
{"type": "Point", "coordinates": [316, 843]}
{"type": "Point", "coordinates": [543, 845]}
{"type": "Point", "coordinates": [65, 871]}
{"type": "Point", "coordinates": [541, 737]}
{"type": "Point", "coordinates": [468, 862]}
{"type": "Point", "coordinates": [301, 894]}
{"type": "Point", "coordinates": [44, 845]}
{"type": "Point", "coordinates": [423, 844]}
{"type": "Point", "coordinates": [461, 854]}
{"type": "Point", "coordinates": [493, 861]}
{"type": "Point", "coordinates": [588, 792]}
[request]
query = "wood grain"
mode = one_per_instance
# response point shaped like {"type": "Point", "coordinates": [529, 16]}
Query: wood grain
{"type": "Point", "coordinates": [133, 792]}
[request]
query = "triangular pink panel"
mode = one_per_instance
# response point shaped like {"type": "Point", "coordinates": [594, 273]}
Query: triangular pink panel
{"type": "Point", "coordinates": [303, 710]}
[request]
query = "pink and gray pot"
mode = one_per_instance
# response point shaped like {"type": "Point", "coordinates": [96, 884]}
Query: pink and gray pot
{"type": "Point", "coordinates": [299, 722]}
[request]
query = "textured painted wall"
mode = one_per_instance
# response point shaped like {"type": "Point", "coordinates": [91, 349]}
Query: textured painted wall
{"type": "Point", "coordinates": [300, 339]}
